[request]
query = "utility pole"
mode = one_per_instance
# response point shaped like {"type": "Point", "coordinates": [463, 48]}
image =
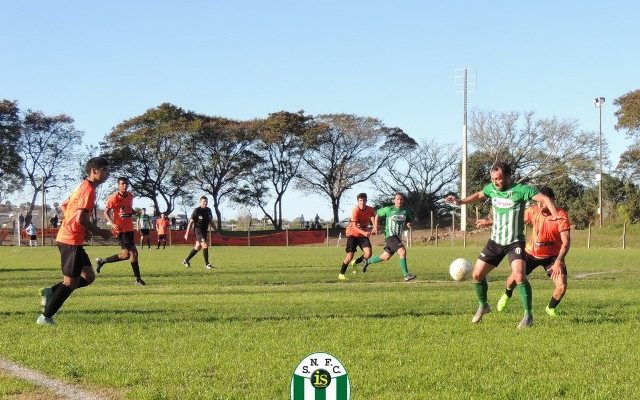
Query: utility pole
{"type": "Point", "coordinates": [599, 103]}
{"type": "Point", "coordinates": [466, 78]}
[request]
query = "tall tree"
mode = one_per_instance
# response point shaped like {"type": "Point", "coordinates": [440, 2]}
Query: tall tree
{"type": "Point", "coordinates": [222, 157]}
{"type": "Point", "coordinates": [350, 150]}
{"type": "Point", "coordinates": [11, 176]}
{"type": "Point", "coordinates": [149, 149]}
{"type": "Point", "coordinates": [282, 142]}
{"type": "Point", "coordinates": [425, 176]}
{"type": "Point", "coordinates": [629, 112]}
{"type": "Point", "coordinates": [532, 145]}
{"type": "Point", "coordinates": [629, 165]}
{"type": "Point", "coordinates": [47, 146]}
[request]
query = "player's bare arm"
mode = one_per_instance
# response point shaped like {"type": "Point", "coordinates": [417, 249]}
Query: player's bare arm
{"type": "Point", "coordinates": [451, 199]}
{"type": "Point", "coordinates": [85, 221]}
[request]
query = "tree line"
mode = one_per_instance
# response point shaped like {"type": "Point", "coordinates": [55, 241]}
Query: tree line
{"type": "Point", "coordinates": [169, 153]}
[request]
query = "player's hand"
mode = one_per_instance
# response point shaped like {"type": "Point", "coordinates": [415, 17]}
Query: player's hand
{"type": "Point", "coordinates": [556, 269]}
{"type": "Point", "coordinates": [186, 237]}
{"type": "Point", "coordinates": [451, 199]}
{"type": "Point", "coordinates": [104, 233]}
{"type": "Point", "coordinates": [483, 223]}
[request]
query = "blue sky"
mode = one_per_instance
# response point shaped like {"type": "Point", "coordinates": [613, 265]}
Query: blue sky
{"type": "Point", "coordinates": [103, 62]}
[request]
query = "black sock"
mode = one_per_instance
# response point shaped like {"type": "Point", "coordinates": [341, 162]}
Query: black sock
{"type": "Point", "coordinates": [111, 259]}
{"type": "Point", "coordinates": [508, 292]}
{"type": "Point", "coordinates": [83, 283]}
{"type": "Point", "coordinates": [56, 286]}
{"type": "Point", "coordinates": [205, 253]}
{"type": "Point", "coordinates": [158, 248]}
{"type": "Point", "coordinates": [343, 269]}
{"type": "Point", "coordinates": [359, 259]}
{"type": "Point", "coordinates": [193, 253]}
{"type": "Point", "coordinates": [61, 294]}
{"type": "Point", "coordinates": [553, 303]}
{"type": "Point", "coordinates": [136, 269]}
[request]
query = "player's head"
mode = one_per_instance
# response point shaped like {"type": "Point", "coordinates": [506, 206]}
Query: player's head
{"type": "Point", "coordinates": [501, 175]}
{"type": "Point", "coordinates": [547, 191]}
{"type": "Point", "coordinates": [362, 200]}
{"type": "Point", "coordinates": [144, 210]}
{"type": "Point", "coordinates": [398, 199]}
{"type": "Point", "coordinates": [204, 201]}
{"type": "Point", "coordinates": [123, 184]}
{"type": "Point", "coordinates": [97, 168]}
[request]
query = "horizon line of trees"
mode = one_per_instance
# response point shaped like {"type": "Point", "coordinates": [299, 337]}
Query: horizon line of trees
{"type": "Point", "coordinates": [168, 153]}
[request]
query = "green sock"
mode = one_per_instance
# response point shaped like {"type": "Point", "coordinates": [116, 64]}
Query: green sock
{"type": "Point", "coordinates": [374, 259]}
{"type": "Point", "coordinates": [524, 289]}
{"type": "Point", "coordinates": [403, 266]}
{"type": "Point", "coordinates": [482, 288]}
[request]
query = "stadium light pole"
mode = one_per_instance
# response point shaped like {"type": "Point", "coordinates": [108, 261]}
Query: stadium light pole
{"type": "Point", "coordinates": [466, 78]}
{"type": "Point", "coordinates": [599, 102]}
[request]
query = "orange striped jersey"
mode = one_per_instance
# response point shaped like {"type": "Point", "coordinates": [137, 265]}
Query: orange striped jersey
{"type": "Point", "coordinates": [545, 240]}
{"type": "Point", "coordinates": [83, 197]}
{"type": "Point", "coordinates": [122, 206]}
{"type": "Point", "coordinates": [161, 225]}
{"type": "Point", "coordinates": [362, 218]}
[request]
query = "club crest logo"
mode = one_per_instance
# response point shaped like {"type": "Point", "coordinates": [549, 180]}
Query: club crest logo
{"type": "Point", "coordinates": [320, 376]}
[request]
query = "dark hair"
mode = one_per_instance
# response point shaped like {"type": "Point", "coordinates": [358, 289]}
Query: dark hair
{"type": "Point", "coordinates": [96, 163]}
{"type": "Point", "coordinates": [143, 209]}
{"type": "Point", "coordinates": [547, 191]}
{"type": "Point", "coordinates": [204, 198]}
{"type": "Point", "coordinates": [398, 193]}
{"type": "Point", "coordinates": [123, 179]}
{"type": "Point", "coordinates": [502, 166]}
{"type": "Point", "coordinates": [361, 196]}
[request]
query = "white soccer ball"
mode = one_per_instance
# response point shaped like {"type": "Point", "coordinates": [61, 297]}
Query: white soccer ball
{"type": "Point", "coordinates": [460, 269]}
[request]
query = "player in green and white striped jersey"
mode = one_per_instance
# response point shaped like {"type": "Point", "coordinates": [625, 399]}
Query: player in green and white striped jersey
{"type": "Point", "coordinates": [508, 201]}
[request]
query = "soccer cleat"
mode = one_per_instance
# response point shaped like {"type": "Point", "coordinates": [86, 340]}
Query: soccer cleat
{"type": "Point", "coordinates": [140, 282]}
{"type": "Point", "coordinates": [527, 321]}
{"type": "Point", "coordinates": [502, 303]}
{"type": "Point", "coordinates": [342, 277]}
{"type": "Point", "coordinates": [42, 320]}
{"type": "Point", "coordinates": [409, 278]}
{"type": "Point", "coordinates": [482, 310]}
{"type": "Point", "coordinates": [208, 266]}
{"type": "Point", "coordinates": [551, 312]}
{"type": "Point", "coordinates": [45, 296]}
{"type": "Point", "coordinates": [186, 263]}
{"type": "Point", "coordinates": [365, 266]}
{"type": "Point", "coordinates": [100, 263]}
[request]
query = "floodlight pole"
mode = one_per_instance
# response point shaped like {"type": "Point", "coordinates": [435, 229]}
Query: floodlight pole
{"type": "Point", "coordinates": [463, 178]}
{"type": "Point", "coordinates": [599, 102]}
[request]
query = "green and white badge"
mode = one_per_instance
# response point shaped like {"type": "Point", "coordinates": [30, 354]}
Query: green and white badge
{"type": "Point", "coordinates": [320, 376]}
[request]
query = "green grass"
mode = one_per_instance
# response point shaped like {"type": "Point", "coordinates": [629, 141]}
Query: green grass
{"type": "Point", "coordinates": [238, 332]}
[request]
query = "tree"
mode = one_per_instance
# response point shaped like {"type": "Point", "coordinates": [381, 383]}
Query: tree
{"type": "Point", "coordinates": [424, 176]}
{"type": "Point", "coordinates": [11, 176]}
{"type": "Point", "coordinates": [349, 150]}
{"type": "Point", "coordinates": [629, 165]}
{"type": "Point", "coordinates": [629, 112]}
{"type": "Point", "coordinates": [48, 147]}
{"type": "Point", "coordinates": [150, 150]}
{"type": "Point", "coordinates": [222, 157]}
{"type": "Point", "coordinates": [282, 142]}
{"type": "Point", "coordinates": [532, 145]}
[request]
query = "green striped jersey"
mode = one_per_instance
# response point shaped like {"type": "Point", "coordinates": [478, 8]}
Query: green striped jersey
{"type": "Point", "coordinates": [396, 219]}
{"type": "Point", "coordinates": [508, 211]}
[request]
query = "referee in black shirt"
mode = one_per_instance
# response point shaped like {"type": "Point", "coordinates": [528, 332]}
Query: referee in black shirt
{"type": "Point", "coordinates": [201, 218]}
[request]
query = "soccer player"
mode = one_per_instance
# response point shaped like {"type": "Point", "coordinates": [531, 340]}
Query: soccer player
{"type": "Point", "coordinates": [32, 232]}
{"type": "Point", "coordinates": [119, 212]}
{"type": "Point", "coordinates": [76, 266]}
{"type": "Point", "coordinates": [508, 202]}
{"type": "Point", "coordinates": [163, 225]}
{"type": "Point", "coordinates": [357, 235]}
{"type": "Point", "coordinates": [547, 247]}
{"type": "Point", "coordinates": [144, 226]}
{"type": "Point", "coordinates": [200, 220]}
{"type": "Point", "coordinates": [396, 217]}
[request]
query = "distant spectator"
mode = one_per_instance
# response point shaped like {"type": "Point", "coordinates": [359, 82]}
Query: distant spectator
{"type": "Point", "coordinates": [173, 223]}
{"type": "Point", "coordinates": [31, 231]}
{"type": "Point", "coordinates": [54, 221]}
{"type": "Point", "coordinates": [306, 225]}
{"type": "Point", "coordinates": [302, 221]}
{"type": "Point", "coordinates": [21, 219]}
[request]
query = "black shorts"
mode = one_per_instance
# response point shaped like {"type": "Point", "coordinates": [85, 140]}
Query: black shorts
{"type": "Point", "coordinates": [126, 240]}
{"type": "Point", "coordinates": [73, 259]}
{"type": "Point", "coordinates": [144, 232]}
{"type": "Point", "coordinates": [162, 237]}
{"type": "Point", "coordinates": [547, 263]}
{"type": "Point", "coordinates": [493, 252]}
{"type": "Point", "coordinates": [353, 242]}
{"type": "Point", "coordinates": [202, 236]}
{"type": "Point", "coordinates": [33, 237]}
{"type": "Point", "coordinates": [392, 244]}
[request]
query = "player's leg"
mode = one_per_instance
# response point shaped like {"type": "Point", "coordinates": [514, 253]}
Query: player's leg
{"type": "Point", "coordinates": [74, 262]}
{"type": "Point", "coordinates": [519, 272]}
{"type": "Point", "coordinates": [560, 282]}
{"type": "Point", "coordinates": [205, 253]}
{"type": "Point", "coordinates": [481, 286]}
{"type": "Point", "coordinates": [192, 253]}
{"type": "Point", "coordinates": [531, 263]}
{"type": "Point", "coordinates": [402, 253]}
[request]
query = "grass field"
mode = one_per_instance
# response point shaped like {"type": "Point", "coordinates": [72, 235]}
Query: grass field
{"type": "Point", "coordinates": [239, 331]}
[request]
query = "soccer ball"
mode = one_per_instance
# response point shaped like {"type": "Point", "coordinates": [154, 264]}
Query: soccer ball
{"type": "Point", "coordinates": [460, 269]}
